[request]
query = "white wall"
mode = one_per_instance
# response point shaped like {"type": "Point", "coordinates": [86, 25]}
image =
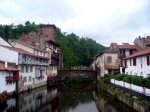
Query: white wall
{"type": "Point", "coordinates": [138, 70]}
{"type": "Point", "coordinates": [8, 55]}
{"type": "Point", "coordinates": [3, 86]}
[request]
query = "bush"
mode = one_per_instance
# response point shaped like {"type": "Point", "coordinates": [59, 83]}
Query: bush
{"type": "Point", "coordinates": [148, 84]}
{"type": "Point", "coordinates": [128, 79]}
{"type": "Point", "coordinates": [137, 80]}
{"type": "Point", "coordinates": [119, 77]}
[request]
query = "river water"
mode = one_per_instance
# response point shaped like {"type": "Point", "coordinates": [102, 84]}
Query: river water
{"type": "Point", "coordinates": [61, 98]}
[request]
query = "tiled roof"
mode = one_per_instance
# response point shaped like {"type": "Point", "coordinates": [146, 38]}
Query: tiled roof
{"type": "Point", "coordinates": [24, 52]}
{"type": "Point", "coordinates": [140, 53]}
{"type": "Point", "coordinates": [147, 40]}
{"type": "Point", "coordinates": [2, 68]}
{"type": "Point", "coordinates": [29, 45]}
{"type": "Point", "coordinates": [111, 51]}
{"type": "Point", "coordinates": [112, 67]}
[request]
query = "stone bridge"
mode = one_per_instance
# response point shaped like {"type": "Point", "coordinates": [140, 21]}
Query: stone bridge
{"type": "Point", "coordinates": [86, 74]}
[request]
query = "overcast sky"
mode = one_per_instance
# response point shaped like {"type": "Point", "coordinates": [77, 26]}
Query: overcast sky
{"type": "Point", "coordinates": [105, 21]}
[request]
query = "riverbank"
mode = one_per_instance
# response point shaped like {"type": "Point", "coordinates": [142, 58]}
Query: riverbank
{"type": "Point", "coordinates": [137, 103]}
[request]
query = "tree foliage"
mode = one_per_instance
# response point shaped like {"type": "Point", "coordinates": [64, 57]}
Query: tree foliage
{"type": "Point", "coordinates": [76, 51]}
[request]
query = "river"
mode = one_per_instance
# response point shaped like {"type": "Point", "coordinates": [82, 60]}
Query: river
{"type": "Point", "coordinates": [61, 98]}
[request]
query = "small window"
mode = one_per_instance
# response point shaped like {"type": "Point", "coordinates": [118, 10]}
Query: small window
{"type": "Point", "coordinates": [30, 78]}
{"type": "Point", "coordinates": [109, 59]}
{"type": "Point", "coordinates": [31, 68]}
{"type": "Point", "coordinates": [24, 79]}
{"type": "Point", "coordinates": [22, 69]}
{"type": "Point", "coordinates": [27, 69]}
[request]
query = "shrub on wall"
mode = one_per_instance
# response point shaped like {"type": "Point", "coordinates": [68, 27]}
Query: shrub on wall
{"type": "Point", "coordinates": [119, 77]}
{"type": "Point", "coordinates": [137, 80]}
{"type": "Point", "coordinates": [127, 79]}
{"type": "Point", "coordinates": [148, 84]}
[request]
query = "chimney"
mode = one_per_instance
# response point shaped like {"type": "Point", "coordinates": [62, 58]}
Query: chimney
{"type": "Point", "coordinates": [6, 64]}
{"type": "Point", "coordinates": [139, 37]}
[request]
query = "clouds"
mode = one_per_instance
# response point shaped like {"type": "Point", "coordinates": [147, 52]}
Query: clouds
{"type": "Point", "coordinates": [105, 21]}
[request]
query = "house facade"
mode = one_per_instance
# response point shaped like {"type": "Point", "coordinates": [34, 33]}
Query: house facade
{"type": "Point", "coordinates": [32, 69]}
{"type": "Point", "coordinates": [138, 63]}
{"type": "Point", "coordinates": [9, 77]}
{"type": "Point", "coordinates": [9, 74]}
{"type": "Point", "coordinates": [42, 43]}
{"type": "Point", "coordinates": [124, 50]}
{"type": "Point", "coordinates": [106, 62]}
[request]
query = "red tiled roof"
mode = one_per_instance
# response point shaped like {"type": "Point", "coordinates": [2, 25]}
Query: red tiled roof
{"type": "Point", "coordinates": [112, 67]}
{"type": "Point", "coordinates": [40, 68]}
{"type": "Point", "coordinates": [2, 68]}
{"type": "Point", "coordinates": [24, 52]}
{"type": "Point", "coordinates": [140, 53]}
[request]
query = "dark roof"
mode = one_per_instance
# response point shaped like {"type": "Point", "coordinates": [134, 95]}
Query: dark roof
{"type": "Point", "coordinates": [140, 53]}
{"type": "Point", "coordinates": [54, 43]}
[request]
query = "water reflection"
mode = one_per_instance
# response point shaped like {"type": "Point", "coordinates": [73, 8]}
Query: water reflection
{"type": "Point", "coordinates": [62, 99]}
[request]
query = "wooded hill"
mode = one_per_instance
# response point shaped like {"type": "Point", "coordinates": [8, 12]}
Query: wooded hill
{"type": "Point", "coordinates": [76, 51]}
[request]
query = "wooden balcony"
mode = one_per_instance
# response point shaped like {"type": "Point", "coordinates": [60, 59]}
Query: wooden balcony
{"type": "Point", "coordinates": [55, 55]}
{"type": "Point", "coordinates": [54, 62]}
{"type": "Point", "coordinates": [12, 79]}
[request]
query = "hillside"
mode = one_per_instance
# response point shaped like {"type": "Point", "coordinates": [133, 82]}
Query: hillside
{"type": "Point", "coordinates": [76, 51]}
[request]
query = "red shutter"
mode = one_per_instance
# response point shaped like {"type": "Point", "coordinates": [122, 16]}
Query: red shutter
{"type": "Point", "coordinates": [125, 63]}
{"type": "Point", "coordinates": [148, 63]}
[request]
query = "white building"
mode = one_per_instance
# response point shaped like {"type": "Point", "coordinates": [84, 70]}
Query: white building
{"type": "Point", "coordinates": [9, 76]}
{"type": "Point", "coordinates": [138, 63]}
{"type": "Point", "coordinates": [32, 69]}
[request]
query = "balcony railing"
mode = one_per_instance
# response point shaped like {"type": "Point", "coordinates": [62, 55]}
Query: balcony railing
{"type": "Point", "coordinates": [33, 62]}
{"type": "Point", "coordinates": [11, 78]}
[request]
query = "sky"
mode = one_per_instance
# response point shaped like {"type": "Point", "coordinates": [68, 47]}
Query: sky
{"type": "Point", "coordinates": [104, 21]}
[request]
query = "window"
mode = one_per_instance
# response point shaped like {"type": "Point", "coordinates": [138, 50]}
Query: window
{"type": "Point", "coordinates": [22, 69]}
{"type": "Point", "coordinates": [31, 68]}
{"type": "Point", "coordinates": [27, 69]}
{"type": "Point", "coordinates": [134, 62]}
{"type": "Point", "coordinates": [131, 52]}
{"type": "Point", "coordinates": [30, 78]}
{"type": "Point", "coordinates": [148, 61]}
{"type": "Point", "coordinates": [41, 52]}
{"type": "Point", "coordinates": [130, 62]}
{"type": "Point", "coordinates": [24, 79]}
{"type": "Point", "coordinates": [123, 51]}
{"type": "Point", "coordinates": [109, 59]}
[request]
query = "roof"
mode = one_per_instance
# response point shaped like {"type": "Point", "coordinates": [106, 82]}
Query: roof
{"type": "Point", "coordinates": [53, 42]}
{"type": "Point", "coordinates": [3, 42]}
{"type": "Point", "coordinates": [124, 46]}
{"type": "Point", "coordinates": [24, 52]}
{"type": "Point", "coordinates": [29, 45]}
{"type": "Point", "coordinates": [47, 25]}
{"type": "Point", "coordinates": [111, 67]}
{"type": "Point", "coordinates": [140, 53]}
{"type": "Point", "coordinates": [2, 68]}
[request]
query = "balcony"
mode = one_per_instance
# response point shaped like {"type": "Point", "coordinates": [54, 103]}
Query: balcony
{"type": "Point", "coordinates": [54, 62]}
{"type": "Point", "coordinates": [11, 78]}
{"type": "Point", "coordinates": [55, 55]}
{"type": "Point", "coordinates": [51, 78]}
{"type": "Point", "coordinates": [33, 62]}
